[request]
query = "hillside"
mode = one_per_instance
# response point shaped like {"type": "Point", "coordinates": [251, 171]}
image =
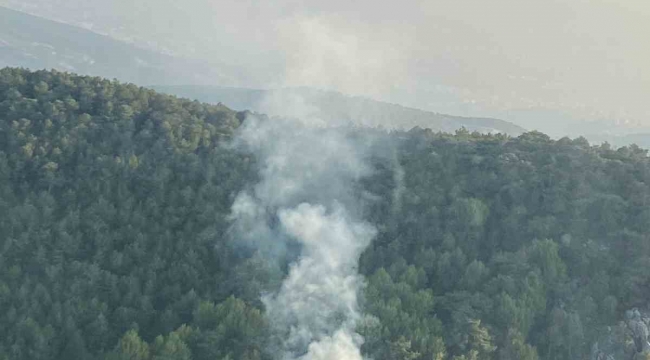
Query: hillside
{"type": "Point", "coordinates": [37, 43]}
{"type": "Point", "coordinates": [334, 107]}
{"type": "Point", "coordinates": [123, 233]}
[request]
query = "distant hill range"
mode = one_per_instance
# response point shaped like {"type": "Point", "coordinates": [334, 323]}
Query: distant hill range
{"type": "Point", "coordinates": [335, 107]}
{"type": "Point", "coordinates": [36, 43]}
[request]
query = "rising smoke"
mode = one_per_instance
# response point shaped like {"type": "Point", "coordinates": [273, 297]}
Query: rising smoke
{"type": "Point", "coordinates": [305, 195]}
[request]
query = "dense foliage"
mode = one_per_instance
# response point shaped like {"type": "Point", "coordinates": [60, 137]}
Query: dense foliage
{"type": "Point", "coordinates": [114, 204]}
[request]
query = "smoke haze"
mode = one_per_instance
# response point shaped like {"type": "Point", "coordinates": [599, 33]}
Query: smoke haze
{"type": "Point", "coordinates": [572, 59]}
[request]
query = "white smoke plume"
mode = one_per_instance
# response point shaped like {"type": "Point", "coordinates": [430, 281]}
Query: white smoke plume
{"type": "Point", "coordinates": [308, 170]}
{"type": "Point", "coordinates": [305, 195]}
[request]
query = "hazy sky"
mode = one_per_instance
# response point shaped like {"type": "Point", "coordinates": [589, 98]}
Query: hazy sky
{"type": "Point", "coordinates": [586, 58]}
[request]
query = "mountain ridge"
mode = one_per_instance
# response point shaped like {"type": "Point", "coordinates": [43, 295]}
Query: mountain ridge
{"type": "Point", "coordinates": [333, 106]}
{"type": "Point", "coordinates": [38, 43]}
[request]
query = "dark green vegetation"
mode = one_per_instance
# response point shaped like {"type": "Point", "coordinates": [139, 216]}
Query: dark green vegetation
{"type": "Point", "coordinates": [37, 43]}
{"type": "Point", "coordinates": [640, 138]}
{"type": "Point", "coordinates": [334, 106]}
{"type": "Point", "coordinates": [114, 204]}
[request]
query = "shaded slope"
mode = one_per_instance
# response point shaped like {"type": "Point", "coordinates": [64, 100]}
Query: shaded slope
{"type": "Point", "coordinates": [37, 43]}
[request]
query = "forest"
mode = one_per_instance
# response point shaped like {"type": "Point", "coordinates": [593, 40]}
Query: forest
{"type": "Point", "coordinates": [115, 207]}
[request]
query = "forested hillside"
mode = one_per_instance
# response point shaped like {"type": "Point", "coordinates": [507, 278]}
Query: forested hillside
{"type": "Point", "coordinates": [115, 207]}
